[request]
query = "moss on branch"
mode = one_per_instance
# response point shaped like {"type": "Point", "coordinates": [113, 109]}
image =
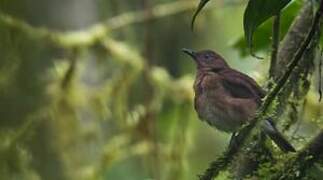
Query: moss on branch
{"type": "Point", "coordinates": [304, 160]}
{"type": "Point", "coordinates": [93, 35]}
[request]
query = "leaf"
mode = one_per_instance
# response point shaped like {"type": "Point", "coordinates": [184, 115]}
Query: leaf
{"type": "Point", "coordinates": [198, 10]}
{"type": "Point", "coordinates": [257, 12]}
{"type": "Point", "coordinates": [261, 36]}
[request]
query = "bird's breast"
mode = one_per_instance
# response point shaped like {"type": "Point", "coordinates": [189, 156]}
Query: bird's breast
{"type": "Point", "coordinates": [215, 106]}
{"type": "Point", "coordinates": [216, 114]}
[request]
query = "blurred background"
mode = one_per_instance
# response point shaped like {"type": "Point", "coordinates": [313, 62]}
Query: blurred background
{"type": "Point", "coordinates": [99, 89]}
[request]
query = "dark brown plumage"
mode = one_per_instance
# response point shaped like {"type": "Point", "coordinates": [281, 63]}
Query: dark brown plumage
{"type": "Point", "coordinates": [226, 98]}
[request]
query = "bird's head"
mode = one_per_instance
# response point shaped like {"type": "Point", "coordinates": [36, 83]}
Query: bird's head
{"type": "Point", "coordinates": [206, 59]}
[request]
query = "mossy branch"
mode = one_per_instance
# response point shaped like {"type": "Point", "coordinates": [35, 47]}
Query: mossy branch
{"type": "Point", "coordinates": [93, 35]}
{"type": "Point", "coordinates": [222, 162]}
{"type": "Point", "coordinates": [304, 160]}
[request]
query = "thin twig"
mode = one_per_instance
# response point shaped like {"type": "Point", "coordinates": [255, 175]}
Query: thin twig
{"type": "Point", "coordinates": [70, 73]}
{"type": "Point", "coordinates": [275, 45]}
{"type": "Point", "coordinates": [246, 130]}
{"type": "Point", "coordinates": [320, 77]}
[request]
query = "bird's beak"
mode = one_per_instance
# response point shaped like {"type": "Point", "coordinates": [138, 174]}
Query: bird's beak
{"type": "Point", "coordinates": [189, 52]}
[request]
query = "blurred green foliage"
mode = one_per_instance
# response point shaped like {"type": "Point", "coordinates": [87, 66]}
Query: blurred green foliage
{"type": "Point", "coordinates": [82, 101]}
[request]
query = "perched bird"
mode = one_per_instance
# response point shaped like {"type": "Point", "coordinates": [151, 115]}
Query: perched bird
{"type": "Point", "coordinates": [226, 98]}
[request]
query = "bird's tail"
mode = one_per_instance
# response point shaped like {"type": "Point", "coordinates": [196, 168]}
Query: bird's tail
{"type": "Point", "coordinates": [270, 129]}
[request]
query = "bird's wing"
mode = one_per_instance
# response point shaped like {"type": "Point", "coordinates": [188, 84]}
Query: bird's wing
{"type": "Point", "coordinates": [240, 85]}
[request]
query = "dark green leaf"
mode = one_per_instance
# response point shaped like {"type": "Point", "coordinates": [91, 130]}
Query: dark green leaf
{"type": "Point", "coordinates": [262, 36]}
{"type": "Point", "coordinates": [198, 10]}
{"type": "Point", "coordinates": [257, 12]}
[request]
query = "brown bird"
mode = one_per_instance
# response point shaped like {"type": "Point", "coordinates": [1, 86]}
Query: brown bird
{"type": "Point", "coordinates": [226, 98]}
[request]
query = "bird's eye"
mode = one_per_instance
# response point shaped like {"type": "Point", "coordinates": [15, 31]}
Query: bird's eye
{"type": "Point", "coordinates": [206, 56]}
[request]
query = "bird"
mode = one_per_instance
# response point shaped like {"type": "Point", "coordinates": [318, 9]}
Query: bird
{"type": "Point", "coordinates": [226, 98]}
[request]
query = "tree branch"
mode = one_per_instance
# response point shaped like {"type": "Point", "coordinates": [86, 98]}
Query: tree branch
{"type": "Point", "coordinates": [296, 169]}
